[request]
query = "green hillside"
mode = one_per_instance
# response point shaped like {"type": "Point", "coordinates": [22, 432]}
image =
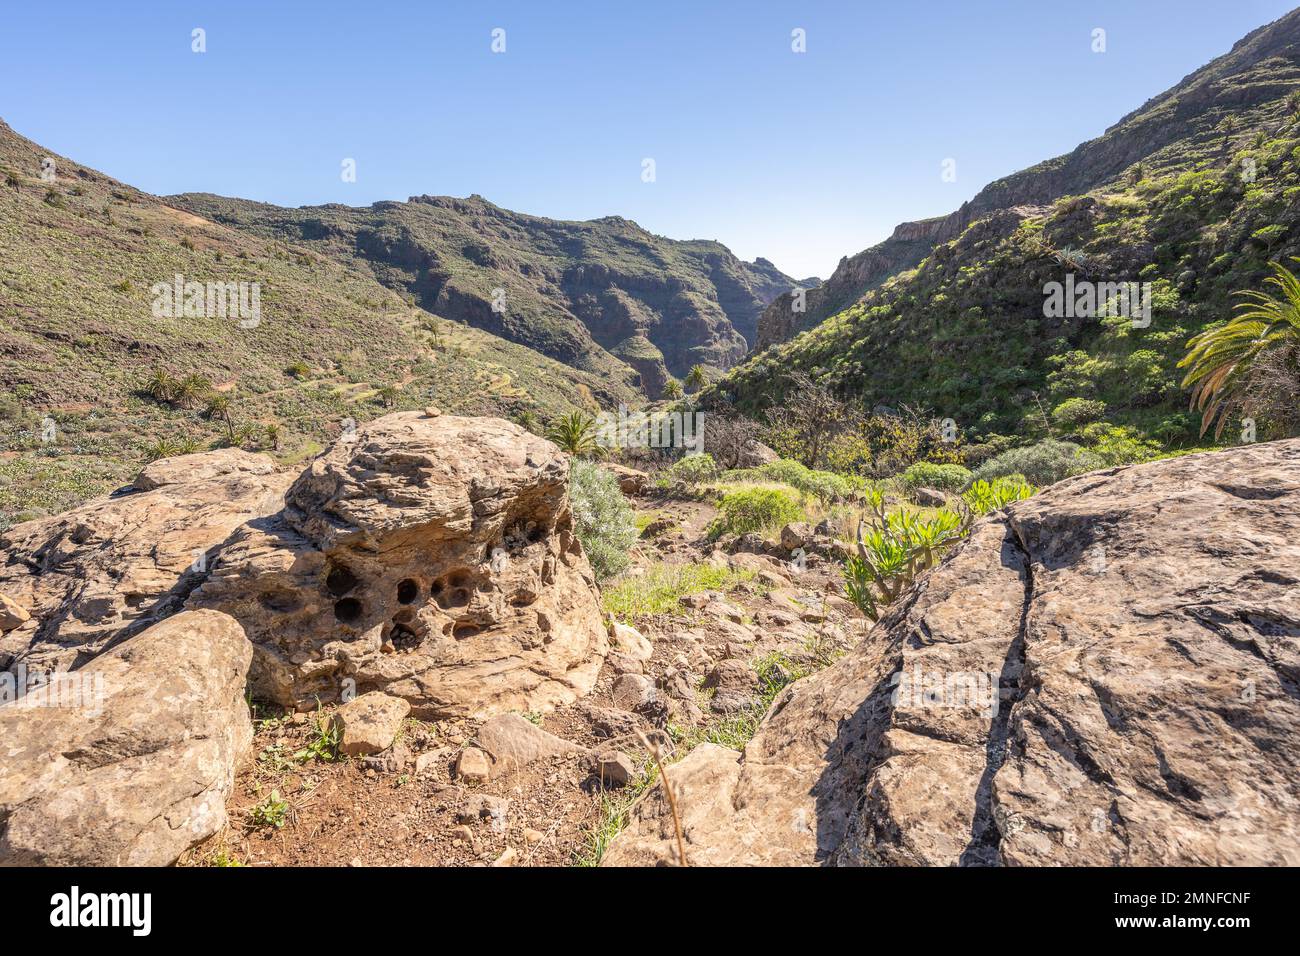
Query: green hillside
{"type": "Point", "coordinates": [593, 295]}
{"type": "Point", "coordinates": [78, 340]}
{"type": "Point", "coordinates": [1195, 193]}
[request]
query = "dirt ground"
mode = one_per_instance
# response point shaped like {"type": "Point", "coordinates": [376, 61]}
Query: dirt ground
{"type": "Point", "coordinates": [291, 809]}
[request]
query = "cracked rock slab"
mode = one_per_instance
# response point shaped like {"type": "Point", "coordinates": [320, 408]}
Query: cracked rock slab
{"type": "Point", "coordinates": [1105, 674]}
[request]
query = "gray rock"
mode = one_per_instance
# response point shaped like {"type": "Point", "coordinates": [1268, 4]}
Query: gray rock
{"type": "Point", "coordinates": [140, 774]}
{"type": "Point", "coordinates": [1111, 659]}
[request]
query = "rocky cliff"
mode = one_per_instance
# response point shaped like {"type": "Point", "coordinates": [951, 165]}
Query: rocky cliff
{"type": "Point", "coordinates": [590, 294]}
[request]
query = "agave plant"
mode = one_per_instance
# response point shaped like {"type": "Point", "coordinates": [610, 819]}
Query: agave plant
{"type": "Point", "coordinates": [1219, 360]}
{"type": "Point", "coordinates": [894, 549]}
{"type": "Point", "coordinates": [576, 434]}
{"type": "Point", "coordinates": [1072, 258]}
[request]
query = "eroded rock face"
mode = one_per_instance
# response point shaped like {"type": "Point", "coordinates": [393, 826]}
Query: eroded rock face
{"type": "Point", "coordinates": [431, 557]}
{"type": "Point", "coordinates": [218, 463]}
{"type": "Point", "coordinates": [135, 764]}
{"type": "Point", "coordinates": [113, 566]}
{"type": "Point", "coordinates": [1106, 674]}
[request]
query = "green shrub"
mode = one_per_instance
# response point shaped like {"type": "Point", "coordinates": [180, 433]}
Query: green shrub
{"type": "Point", "coordinates": [602, 518]}
{"type": "Point", "coordinates": [755, 509]}
{"type": "Point", "coordinates": [1074, 412]}
{"type": "Point", "coordinates": [985, 496]}
{"type": "Point", "coordinates": [925, 474]}
{"type": "Point", "coordinates": [1044, 463]}
{"type": "Point", "coordinates": [694, 469]}
{"type": "Point", "coordinates": [894, 550]}
{"type": "Point", "coordinates": [1118, 445]}
{"type": "Point", "coordinates": [825, 485]}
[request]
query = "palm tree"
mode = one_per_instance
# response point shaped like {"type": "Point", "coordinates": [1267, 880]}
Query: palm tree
{"type": "Point", "coordinates": [696, 378]}
{"type": "Point", "coordinates": [672, 389]}
{"type": "Point", "coordinates": [218, 409]}
{"type": "Point", "coordinates": [190, 389]}
{"type": "Point", "coordinates": [1220, 360]}
{"type": "Point", "coordinates": [388, 395]}
{"type": "Point", "coordinates": [576, 434]}
{"type": "Point", "coordinates": [244, 434]}
{"type": "Point", "coordinates": [160, 386]}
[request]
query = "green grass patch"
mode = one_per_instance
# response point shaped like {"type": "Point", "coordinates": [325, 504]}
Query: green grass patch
{"type": "Point", "coordinates": [660, 587]}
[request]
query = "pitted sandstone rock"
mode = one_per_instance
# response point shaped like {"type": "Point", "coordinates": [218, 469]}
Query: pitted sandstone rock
{"type": "Point", "coordinates": [432, 558]}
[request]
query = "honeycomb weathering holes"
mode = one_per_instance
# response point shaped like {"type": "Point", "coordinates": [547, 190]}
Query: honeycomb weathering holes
{"type": "Point", "coordinates": [407, 591]}
{"type": "Point", "coordinates": [340, 581]}
{"type": "Point", "coordinates": [347, 610]}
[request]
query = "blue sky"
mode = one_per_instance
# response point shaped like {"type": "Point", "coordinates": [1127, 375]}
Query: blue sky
{"type": "Point", "coordinates": [800, 158]}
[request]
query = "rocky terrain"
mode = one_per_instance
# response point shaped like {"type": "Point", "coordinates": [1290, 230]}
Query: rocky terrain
{"type": "Point", "coordinates": [408, 610]}
{"type": "Point", "coordinates": [1137, 631]}
{"type": "Point", "coordinates": [954, 582]}
{"type": "Point", "coordinates": [436, 678]}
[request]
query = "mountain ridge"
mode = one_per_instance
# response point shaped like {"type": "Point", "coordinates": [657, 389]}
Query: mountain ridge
{"type": "Point", "coordinates": [591, 293]}
{"type": "Point", "coordinates": [1091, 164]}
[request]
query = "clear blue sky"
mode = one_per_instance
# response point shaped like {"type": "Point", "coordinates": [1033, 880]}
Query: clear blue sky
{"type": "Point", "coordinates": [800, 158]}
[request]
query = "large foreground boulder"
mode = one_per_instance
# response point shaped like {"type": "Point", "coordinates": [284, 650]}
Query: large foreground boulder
{"type": "Point", "coordinates": [129, 759]}
{"type": "Point", "coordinates": [1104, 674]}
{"type": "Point", "coordinates": [110, 568]}
{"type": "Point", "coordinates": [428, 556]}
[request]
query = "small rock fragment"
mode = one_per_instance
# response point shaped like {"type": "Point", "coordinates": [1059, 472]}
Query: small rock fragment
{"type": "Point", "coordinates": [473, 765]}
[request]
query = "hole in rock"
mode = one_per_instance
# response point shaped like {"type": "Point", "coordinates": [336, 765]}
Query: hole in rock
{"type": "Point", "coordinates": [459, 598]}
{"type": "Point", "coordinates": [407, 591]}
{"type": "Point", "coordinates": [462, 631]}
{"type": "Point", "coordinates": [459, 579]}
{"type": "Point", "coordinates": [403, 638]}
{"type": "Point", "coordinates": [347, 610]}
{"type": "Point", "coordinates": [280, 601]}
{"type": "Point", "coordinates": [340, 581]}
